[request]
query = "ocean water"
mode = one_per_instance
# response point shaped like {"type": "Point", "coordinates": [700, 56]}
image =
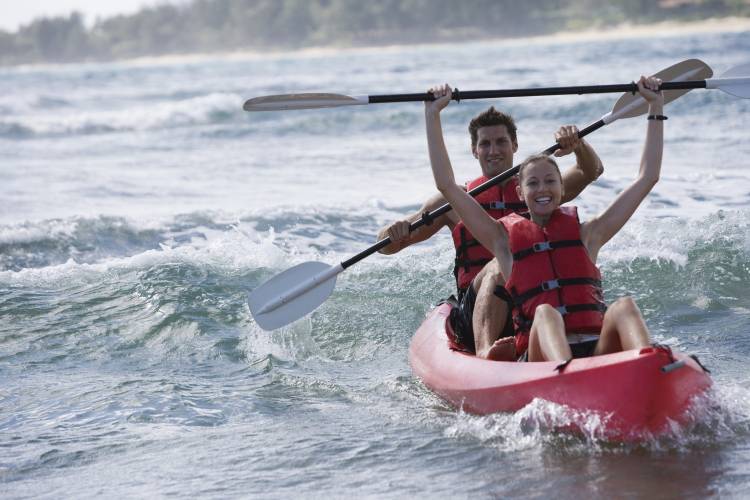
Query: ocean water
{"type": "Point", "coordinates": [139, 205]}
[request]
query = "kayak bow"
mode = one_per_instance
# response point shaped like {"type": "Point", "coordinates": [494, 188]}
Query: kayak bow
{"type": "Point", "coordinates": [639, 392]}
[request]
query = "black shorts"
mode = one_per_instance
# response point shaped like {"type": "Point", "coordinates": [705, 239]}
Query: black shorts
{"type": "Point", "coordinates": [583, 349]}
{"type": "Point", "coordinates": [461, 318]}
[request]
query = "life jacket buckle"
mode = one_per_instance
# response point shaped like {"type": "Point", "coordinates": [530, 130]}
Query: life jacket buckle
{"type": "Point", "coordinates": [562, 310]}
{"type": "Point", "coordinates": [497, 205]}
{"type": "Point", "coordinates": [542, 246]}
{"type": "Point", "coordinates": [550, 285]}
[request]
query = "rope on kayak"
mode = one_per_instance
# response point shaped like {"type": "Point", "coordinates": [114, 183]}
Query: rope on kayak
{"type": "Point", "coordinates": [562, 366]}
{"type": "Point", "coordinates": [695, 358]}
{"type": "Point", "coordinates": [665, 349]}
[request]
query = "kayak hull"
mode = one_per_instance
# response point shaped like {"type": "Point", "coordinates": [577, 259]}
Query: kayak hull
{"type": "Point", "coordinates": [638, 392]}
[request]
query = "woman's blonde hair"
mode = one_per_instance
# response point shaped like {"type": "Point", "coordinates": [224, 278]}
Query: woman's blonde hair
{"type": "Point", "coordinates": [535, 158]}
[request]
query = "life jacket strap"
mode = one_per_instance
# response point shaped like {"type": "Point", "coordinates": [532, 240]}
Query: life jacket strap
{"type": "Point", "coordinates": [502, 205]}
{"type": "Point", "coordinates": [545, 246]}
{"type": "Point", "coordinates": [503, 294]}
{"type": "Point", "coordinates": [545, 286]}
{"type": "Point", "coordinates": [467, 263]}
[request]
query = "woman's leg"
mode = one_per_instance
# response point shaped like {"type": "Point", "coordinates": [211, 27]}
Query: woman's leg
{"type": "Point", "coordinates": [623, 328]}
{"type": "Point", "coordinates": [547, 340]}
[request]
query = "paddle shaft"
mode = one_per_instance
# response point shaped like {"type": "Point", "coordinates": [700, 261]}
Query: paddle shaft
{"type": "Point", "coordinates": [427, 217]}
{"type": "Point", "coordinates": [541, 91]}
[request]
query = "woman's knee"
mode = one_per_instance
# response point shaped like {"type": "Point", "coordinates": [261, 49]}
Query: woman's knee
{"type": "Point", "coordinates": [625, 304]}
{"type": "Point", "coordinates": [546, 311]}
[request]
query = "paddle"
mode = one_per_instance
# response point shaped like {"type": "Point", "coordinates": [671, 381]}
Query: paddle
{"type": "Point", "coordinates": [735, 81]}
{"type": "Point", "coordinates": [299, 290]}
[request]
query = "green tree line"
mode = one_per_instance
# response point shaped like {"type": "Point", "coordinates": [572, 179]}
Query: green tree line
{"type": "Point", "coordinates": [220, 25]}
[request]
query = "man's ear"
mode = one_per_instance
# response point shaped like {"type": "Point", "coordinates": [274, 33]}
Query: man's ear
{"type": "Point", "coordinates": [474, 152]}
{"type": "Point", "coordinates": [515, 147]}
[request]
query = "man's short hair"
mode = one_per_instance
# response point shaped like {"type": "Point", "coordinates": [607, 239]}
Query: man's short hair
{"type": "Point", "coordinates": [490, 118]}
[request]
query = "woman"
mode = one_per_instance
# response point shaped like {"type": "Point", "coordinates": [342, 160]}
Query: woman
{"type": "Point", "coordinates": [549, 259]}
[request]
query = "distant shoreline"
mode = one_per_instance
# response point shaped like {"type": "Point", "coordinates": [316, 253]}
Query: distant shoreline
{"type": "Point", "coordinates": [622, 31]}
{"type": "Point", "coordinates": [668, 28]}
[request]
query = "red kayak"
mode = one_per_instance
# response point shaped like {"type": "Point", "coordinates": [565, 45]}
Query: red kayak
{"type": "Point", "coordinates": [638, 393]}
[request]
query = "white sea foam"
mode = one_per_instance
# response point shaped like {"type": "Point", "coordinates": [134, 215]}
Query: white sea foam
{"type": "Point", "coordinates": [199, 110]}
{"type": "Point", "coordinates": [30, 232]}
{"type": "Point", "coordinates": [229, 252]}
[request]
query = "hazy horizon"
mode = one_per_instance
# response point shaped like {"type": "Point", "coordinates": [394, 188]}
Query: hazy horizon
{"type": "Point", "coordinates": [17, 14]}
{"type": "Point", "coordinates": [144, 28]}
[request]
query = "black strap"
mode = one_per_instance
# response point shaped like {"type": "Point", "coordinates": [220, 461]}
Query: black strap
{"type": "Point", "coordinates": [545, 286]}
{"type": "Point", "coordinates": [462, 253]}
{"type": "Point", "coordinates": [545, 246]}
{"type": "Point", "coordinates": [470, 243]}
{"type": "Point", "coordinates": [461, 250]}
{"type": "Point", "coordinates": [574, 308]}
{"type": "Point", "coordinates": [503, 294]}
{"type": "Point", "coordinates": [695, 358]}
{"type": "Point", "coordinates": [467, 263]}
{"type": "Point", "coordinates": [501, 205]}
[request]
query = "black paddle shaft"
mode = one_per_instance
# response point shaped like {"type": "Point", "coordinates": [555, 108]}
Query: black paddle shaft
{"type": "Point", "coordinates": [428, 217]}
{"type": "Point", "coordinates": [488, 94]}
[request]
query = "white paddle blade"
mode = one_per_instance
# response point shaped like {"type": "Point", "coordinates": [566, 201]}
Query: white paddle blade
{"type": "Point", "coordinates": [284, 102]}
{"type": "Point", "coordinates": [736, 81]}
{"type": "Point", "coordinates": [630, 106]}
{"type": "Point", "coordinates": [290, 295]}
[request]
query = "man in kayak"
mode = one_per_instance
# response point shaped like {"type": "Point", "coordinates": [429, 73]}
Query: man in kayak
{"type": "Point", "coordinates": [478, 278]}
{"type": "Point", "coordinates": [549, 257]}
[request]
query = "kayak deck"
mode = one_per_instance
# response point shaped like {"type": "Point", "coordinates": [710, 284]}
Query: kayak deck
{"type": "Point", "coordinates": [639, 391]}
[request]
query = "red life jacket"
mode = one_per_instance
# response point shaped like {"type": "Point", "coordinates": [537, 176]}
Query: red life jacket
{"type": "Point", "coordinates": [471, 256]}
{"type": "Point", "coordinates": [551, 266]}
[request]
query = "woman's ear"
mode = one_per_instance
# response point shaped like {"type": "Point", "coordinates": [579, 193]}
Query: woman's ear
{"type": "Point", "coordinates": [519, 192]}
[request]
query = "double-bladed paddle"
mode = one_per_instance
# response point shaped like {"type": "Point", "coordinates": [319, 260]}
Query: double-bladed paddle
{"type": "Point", "coordinates": [735, 81]}
{"type": "Point", "coordinates": [293, 293]}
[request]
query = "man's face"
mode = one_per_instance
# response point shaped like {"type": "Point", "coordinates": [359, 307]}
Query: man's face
{"type": "Point", "coordinates": [494, 150]}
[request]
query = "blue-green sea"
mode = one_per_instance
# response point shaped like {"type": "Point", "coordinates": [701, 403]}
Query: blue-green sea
{"type": "Point", "coordinates": [139, 204]}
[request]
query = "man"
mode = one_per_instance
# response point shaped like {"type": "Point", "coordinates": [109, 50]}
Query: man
{"type": "Point", "coordinates": [478, 277]}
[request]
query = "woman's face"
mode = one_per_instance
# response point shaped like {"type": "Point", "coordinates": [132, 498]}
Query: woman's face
{"type": "Point", "coordinates": [541, 187]}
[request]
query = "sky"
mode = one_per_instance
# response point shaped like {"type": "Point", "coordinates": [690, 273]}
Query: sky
{"type": "Point", "coordinates": [14, 13]}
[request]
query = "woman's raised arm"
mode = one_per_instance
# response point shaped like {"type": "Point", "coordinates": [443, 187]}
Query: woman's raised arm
{"type": "Point", "coordinates": [489, 232]}
{"type": "Point", "coordinates": [598, 231]}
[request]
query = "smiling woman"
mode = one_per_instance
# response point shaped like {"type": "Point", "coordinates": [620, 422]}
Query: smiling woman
{"type": "Point", "coordinates": [559, 295]}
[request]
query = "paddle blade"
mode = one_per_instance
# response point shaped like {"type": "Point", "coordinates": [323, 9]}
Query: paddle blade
{"type": "Point", "coordinates": [629, 105]}
{"type": "Point", "coordinates": [306, 285]}
{"type": "Point", "coordinates": [283, 102]}
{"type": "Point", "coordinates": [735, 81]}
